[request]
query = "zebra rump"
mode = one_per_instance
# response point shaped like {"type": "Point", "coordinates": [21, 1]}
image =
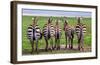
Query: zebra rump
{"type": "Point", "coordinates": [34, 33]}
{"type": "Point", "coordinates": [48, 31]}
{"type": "Point", "coordinates": [57, 33]}
{"type": "Point", "coordinates": [80, 30]}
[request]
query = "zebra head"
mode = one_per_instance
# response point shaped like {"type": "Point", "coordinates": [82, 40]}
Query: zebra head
{"type": "Point", "coordinates": [79, 19]}
{"type": "Point", "coordinates": [35, 19]}
{"type": "Point", "coordinates": [65, 24]}
{"type": "Point", "coordinates": [50, 20]}
{"type": "Point", "coordinates": [57, 22]}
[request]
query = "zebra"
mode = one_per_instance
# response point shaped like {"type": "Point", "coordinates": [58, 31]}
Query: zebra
{"type": "Point", "coordinates": [48, 33]}
{"type": "Point", "coordinates": [34, 34]}
{"type": "Point", "coordinates": [57, 35]}
{"type": "Point", "coordinates": [80, 31]}
{"type": "Point", "coordinates": [69, 34]}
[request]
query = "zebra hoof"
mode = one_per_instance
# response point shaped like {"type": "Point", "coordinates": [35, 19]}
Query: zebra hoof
{"type": "Point", "coordinates": [82, 50]}
{"type": "Point", "coordinates": [71, 47]}
{"type": "Point", "coordinates": [65, 48]}
{"type": "Point", "coordinates": [46, 49]}
{"type": "Point", "coordinates": [49, 48]}
{"type": "Point", "coordinates": [53, 48]}
{"type": "Point", "coordinates": [58, 48]}
{"type": "Point", "coordinates": [37, 52]}
{"type": "Point", "coordinates": [31, 52]}
{"type": "Point", "coordinates": [79, 48]}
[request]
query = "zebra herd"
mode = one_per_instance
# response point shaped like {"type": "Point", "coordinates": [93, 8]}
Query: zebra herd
{"type": "Point", "coordinates": [54, 32]}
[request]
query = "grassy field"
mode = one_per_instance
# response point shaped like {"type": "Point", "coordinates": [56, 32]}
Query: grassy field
{"type": "Point", "coordinates": [27, 20]}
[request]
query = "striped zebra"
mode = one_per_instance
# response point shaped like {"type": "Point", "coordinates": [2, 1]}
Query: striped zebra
{"type": "Point", "coordinates": [69, 34]}
{"type": "Point", "coordinates": [57, 35]}
{"type": "Point", "coordinates": [80, 30]}
{"type": "Point", "coordinates": [34, 34]}
{"type": "Point", "coordinates": [48, 32]}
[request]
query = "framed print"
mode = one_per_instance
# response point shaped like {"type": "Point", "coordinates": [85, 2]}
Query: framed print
{"type": "Point", "coordinates": [45, 32]}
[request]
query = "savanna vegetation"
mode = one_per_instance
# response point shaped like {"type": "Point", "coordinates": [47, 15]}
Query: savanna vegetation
{"type": "Point", "coordinates": [27, 20]}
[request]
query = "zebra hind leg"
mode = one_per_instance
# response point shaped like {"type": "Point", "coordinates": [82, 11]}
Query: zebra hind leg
{"type": "Point", "coordinates": [82, 45]}
{"type": "Point", "coordinates": [51, 44]}
{"type": "Point", "coordinates": [72, 38]}
{"type": "Point", "coordinates": [66, 42]}
{"type": "Point", "coordinates": [58, 44]}
{"type": "Point", "coordinates": [32, 45]}
{"type": "Point", "coordinates": [55, 44]}
{"type": "Point", "coordinates": [78, 44]}
{"type": "Point", "coordinates": [37, 46]}
{"type": "Point", "coordinates": [69, 42]}
{"type": "Point", "coordinates": [72, 43]}
{"type": "Point", "coordinates": [46, 48]}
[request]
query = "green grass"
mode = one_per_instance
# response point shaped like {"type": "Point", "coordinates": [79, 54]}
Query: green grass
{"type": "Point", "coordinates": [27, 20]}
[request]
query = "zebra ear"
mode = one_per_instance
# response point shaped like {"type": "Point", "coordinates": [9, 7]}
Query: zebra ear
{"type": "Point", "coordinates": [36, 20]}
{"type": "Point", "coordinates": [57, 21]}
{"type": "Point", "coordinates": [48, 20]}
{"type": "Point", "coordinates": [33, 19]}
{"type": "Point", "coordinates": [65, 19]}
{"type": "Point", "coordinates": [51, 19]}
{"type": "Point", "coordinates": [66, 22]}
{"type": "Point", "coordinates": [79, 19]}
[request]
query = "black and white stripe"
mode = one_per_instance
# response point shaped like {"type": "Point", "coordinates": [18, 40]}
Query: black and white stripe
{"type": "Point", "coordinates": [80, 31]}
{"type": "Point", "coordinates": [69, 34]}
{"type": "Point", "coordinates": [58, 34]}
{"type": "Point", "coordinates": [80, 28]}
{"type": "Point", "coordinates": [48, 33]}
{"type": "Point", "coordinates": [34, 34]}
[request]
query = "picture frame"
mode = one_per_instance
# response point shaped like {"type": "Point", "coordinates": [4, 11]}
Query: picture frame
{"type": "Point", "coordinates": [21, 8]}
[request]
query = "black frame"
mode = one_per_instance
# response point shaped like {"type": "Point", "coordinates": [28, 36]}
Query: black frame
{"type": "Point", "coordinates": [14, 30]}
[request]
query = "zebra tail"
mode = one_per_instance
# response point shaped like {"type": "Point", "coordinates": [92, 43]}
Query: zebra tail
{"type": "Point", "coordinates": [41, 35]}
